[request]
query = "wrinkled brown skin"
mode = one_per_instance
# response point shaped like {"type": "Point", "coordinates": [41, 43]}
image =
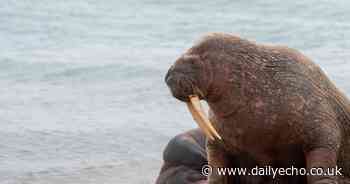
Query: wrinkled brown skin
{"type": "Point", "coordinates": [270, 103]}
{"type": "Point", "coordinates": [184, 156]}
{"type": "Point", "coordinates": [183, 159]}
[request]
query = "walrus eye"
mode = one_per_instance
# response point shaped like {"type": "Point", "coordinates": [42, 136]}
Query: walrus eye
{"type": "Point", "coordinates": [191, 58]}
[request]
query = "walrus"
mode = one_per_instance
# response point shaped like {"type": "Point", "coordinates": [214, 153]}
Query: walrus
{"type": "Point", "coordinates": [269, 103]}
{"type": "Point", "coordinates": [184, 157]}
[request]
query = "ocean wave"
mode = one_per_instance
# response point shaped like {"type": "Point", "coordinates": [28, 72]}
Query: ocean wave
{"type": "Point", "coordinates": [46, 72]}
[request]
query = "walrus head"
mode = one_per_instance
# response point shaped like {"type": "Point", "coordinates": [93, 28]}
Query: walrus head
{"type": "Point", "coordinates": [205, 67]}
{"type": "Point", "coordinates": [186, 82]}
{"type": "Point", "coordinates": [211, 70]}
{"type": "Point", "coordinates": [184, 78]}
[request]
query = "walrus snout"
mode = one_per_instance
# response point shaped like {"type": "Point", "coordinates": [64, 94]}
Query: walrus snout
{"type": "Point", "coordinates": [180, 85]}
{"type": "Point", "coordinates": [183, 78]}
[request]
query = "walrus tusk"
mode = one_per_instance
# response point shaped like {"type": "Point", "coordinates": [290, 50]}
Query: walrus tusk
{"type": "Point", "coordinates": [200, 118]}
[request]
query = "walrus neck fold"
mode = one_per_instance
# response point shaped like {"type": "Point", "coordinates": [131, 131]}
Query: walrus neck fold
{"type": "Point", "coordinates": [210, 91]}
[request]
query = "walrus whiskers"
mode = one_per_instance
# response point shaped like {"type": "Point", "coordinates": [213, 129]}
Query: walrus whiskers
{"type": "Point", "coordinates": [200, 118]}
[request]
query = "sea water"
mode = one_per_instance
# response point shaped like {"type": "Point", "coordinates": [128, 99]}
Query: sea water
{"type": "Point", "coordinates": [82, 92]}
